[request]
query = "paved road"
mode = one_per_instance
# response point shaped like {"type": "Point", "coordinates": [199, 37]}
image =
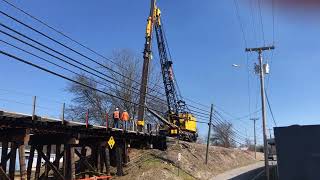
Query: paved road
{"type": "Point", "coordinates": [242, 173]}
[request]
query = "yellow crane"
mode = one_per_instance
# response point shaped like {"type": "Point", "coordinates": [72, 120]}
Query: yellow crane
{"type": "Point", "coordinates": [179, 120]}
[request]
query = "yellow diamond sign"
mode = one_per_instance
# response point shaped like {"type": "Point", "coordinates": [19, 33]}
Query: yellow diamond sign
{"type": "Point", "coordinates": [111, 142]}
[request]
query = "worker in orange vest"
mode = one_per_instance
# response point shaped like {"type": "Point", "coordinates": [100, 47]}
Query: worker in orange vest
{"type": "Point", "coordinates": [125, 119]}
{"type": "Point", "coordinates": [116, 118]}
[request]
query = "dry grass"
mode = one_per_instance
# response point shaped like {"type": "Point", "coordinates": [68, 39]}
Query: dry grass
{"type": "Point", "coordinates": [157, 165]}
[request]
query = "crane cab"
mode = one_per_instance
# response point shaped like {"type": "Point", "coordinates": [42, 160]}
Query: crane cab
{"type": "Point", "coordinates": [188, 122]}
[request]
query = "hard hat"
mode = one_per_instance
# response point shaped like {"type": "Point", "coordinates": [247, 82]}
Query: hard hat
{"type": "Point", "coordinates": [125, 110]}
{"type": "Point", "coordinates": [117, 109]}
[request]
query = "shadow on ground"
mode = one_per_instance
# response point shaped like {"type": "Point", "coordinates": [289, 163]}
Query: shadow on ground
{"type": "Point", "coordinates": [257, 174]}
{"type": "Point", "coordinates": [248, 175]}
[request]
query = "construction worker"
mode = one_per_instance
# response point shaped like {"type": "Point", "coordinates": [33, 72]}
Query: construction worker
{"type": "Point", "coordinates": [116, 117]}
{"type": "Point", "coordinates": [125, 119]}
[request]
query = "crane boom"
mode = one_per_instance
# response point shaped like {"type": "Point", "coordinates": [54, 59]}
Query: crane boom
{"type": "Point", "coordinates": [179, 122]}
{"type": "Point", "coordinates": [167, 71]}
{"type": "Point", "coordinates": [147, 56]}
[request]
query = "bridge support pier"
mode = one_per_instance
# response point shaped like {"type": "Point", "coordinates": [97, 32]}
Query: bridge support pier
{"type": "Point", "coordinates": [64, 151]}
{"type": "Point", "coordinates": [15, 139]}
{"type": "Point", "coordinates": [119, 160]}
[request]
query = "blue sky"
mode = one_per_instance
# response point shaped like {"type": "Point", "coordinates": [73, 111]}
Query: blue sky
{"type": "Point", "coordinates": [205, 39]}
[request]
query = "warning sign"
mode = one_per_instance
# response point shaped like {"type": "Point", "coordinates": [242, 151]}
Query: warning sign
{"type": "Point", "coordinates": [179, 156]}
{"type": "Point", "coordinates": [111, 142]}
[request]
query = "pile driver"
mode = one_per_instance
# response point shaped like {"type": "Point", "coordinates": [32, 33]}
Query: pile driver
{"type": "Point", "coordinates": [179, 121]}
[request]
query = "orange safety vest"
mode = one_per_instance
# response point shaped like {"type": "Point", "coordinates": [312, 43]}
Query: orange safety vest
{"type": "Point", "coordinates": [125, 116]}
{"type": "Point", "coordinates": [116, 115]}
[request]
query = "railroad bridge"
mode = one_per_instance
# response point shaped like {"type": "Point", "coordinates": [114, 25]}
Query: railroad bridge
{"type": "Point", "coordinates": [59, 149]}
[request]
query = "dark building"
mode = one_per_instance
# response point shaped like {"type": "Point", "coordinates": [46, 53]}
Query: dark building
{"type": "Point", "coordinates": [298, 152]}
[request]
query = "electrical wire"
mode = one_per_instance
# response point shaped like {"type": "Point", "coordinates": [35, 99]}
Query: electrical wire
{"type": "Point", "coordinates": [252, 5]}
{"type": "Point", "coordinates": [52, 29]}
{"type": "Point", "coordinates": [240, 22]}
{"type": "Point", "coordinates": [67, 47]}
{"type": "Point", "coordinates": [120, 84]}
{"type": "Point", "coordinates": [63, 34]}
{"type": "Point", "coordinates": [72, 80]}
{"type": "Point", "coordinates": [274, 121]}
{"type": "Point", "coordinates": [261, 22]}
{"type": "Point", "coordinates": [71, 49]}
{"type": "Point", "coordinates": [62, 67]}
{"type": "Point", "coordinates": [222, 121]}
{"type": "Point", "coordinates": [65, 77]}
{"type": "Point", "coordinates": [273, 22]}
{"type": "Point", "coordinates": [43, 34]}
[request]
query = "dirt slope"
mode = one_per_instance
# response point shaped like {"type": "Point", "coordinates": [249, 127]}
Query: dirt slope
{"type": "Point", "coordinates": [156, 165]}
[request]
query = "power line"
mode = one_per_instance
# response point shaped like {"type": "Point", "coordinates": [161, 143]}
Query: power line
{"type": "Point", "coordinates": [223, 121]}
{"type": "Point", "coordinates": [68, 37]}
{"type": "Point", "coordinates": [61, 76]}
{"type": "Point", "coordinates": [120, 84]}
{"type": "Point", "coordinates": [50, 62]}
{"type": "Point", "coordinates": [72, 80]}
{"type": "Point", "coordinates": [219, 117]}
{"type": "Point", "coordinates": [57, 32]}
{"type": "Point", "coordinates": [61, 33]}
{"type": "Point", "coordinates": [240, 22]}
{"type": "Point", "coordinates": [197, 113]}
{"type": "Point", "coordinates": [252, 5]}
{"type": "Point", "coordinates": [30, 95]}
{"type": "Point", "coordinates": [67, 47]}
{"type": "Point", "coordinates": [273, 22]}
{"type": "Point", "coordinates": [60, 60]}
{"type": "Point", "coordinates": [195, 102]}
{"type": "Point", "coordinates": [274, 121]}
{"type": "Point", "coordinates": [261, 22]}
{"type": "Point", "coordinates": [195, 107]}
{"type": "Point", "coordinates": [230, 137]}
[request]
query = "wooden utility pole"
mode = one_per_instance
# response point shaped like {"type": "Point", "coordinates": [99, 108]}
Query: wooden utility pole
{"type": "Point", "coordinates": [62, 113]}
{"type": "Point", "coordinates": [255, 138]}
{"type": "Point", "coordinates": [34, 108]}
{"type": "Point", "coordinates": [209, 132]}
{"type": "Point", "coordinates": [264, 116]}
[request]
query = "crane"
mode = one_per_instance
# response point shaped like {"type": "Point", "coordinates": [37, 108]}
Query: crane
{"type": "Point", "coordinates": [179, 121]}
{"type": "Point", "coordinates": [147, 55]}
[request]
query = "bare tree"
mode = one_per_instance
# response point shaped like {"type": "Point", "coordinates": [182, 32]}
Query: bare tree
{"type": "Point", "coordinates": [223, 135]}
{"type": "Point", "coordinates": [125, 86]}
{"type": "Point", "coordinates": [202, 139]}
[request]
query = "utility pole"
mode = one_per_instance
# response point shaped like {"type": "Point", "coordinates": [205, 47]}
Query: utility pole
{"type": "Point", "coordinates": [264, 116]}
{"type": "Point", "coordinates": [209, 132]}
{"type": "Point", "coordinates": [34, 108]}
{"type": "Point", "coordinates": [62, 113]}
{"type": "Point", "coordinates": [255, 137]}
